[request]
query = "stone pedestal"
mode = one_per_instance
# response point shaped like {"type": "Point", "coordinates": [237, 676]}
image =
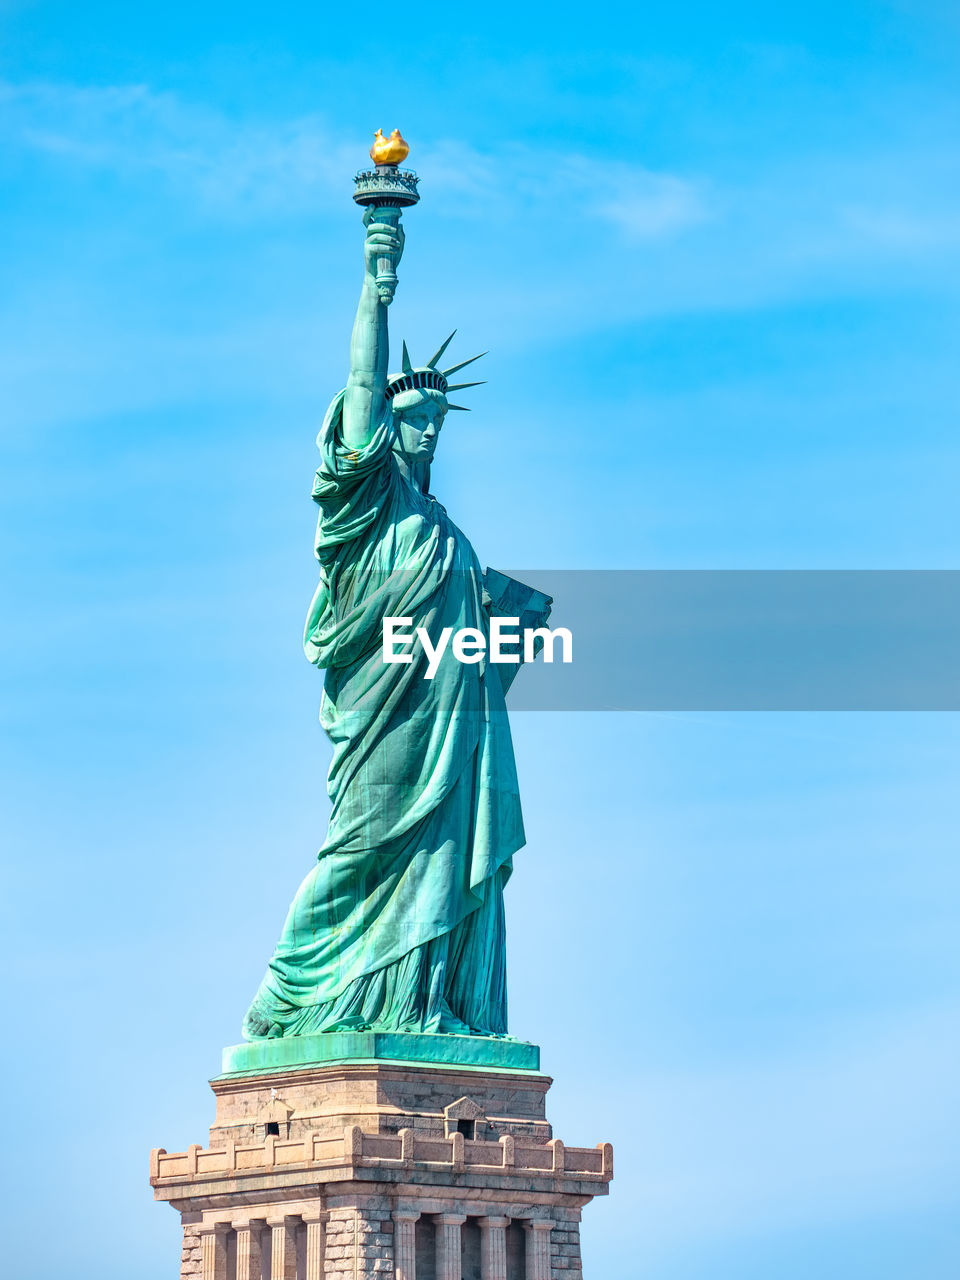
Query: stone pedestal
{"type": "Point", "coordinates": [403, 1169]}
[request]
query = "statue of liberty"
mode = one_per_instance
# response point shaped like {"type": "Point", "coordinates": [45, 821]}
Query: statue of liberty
{"type": "Point", "coordinates": [400, 924]}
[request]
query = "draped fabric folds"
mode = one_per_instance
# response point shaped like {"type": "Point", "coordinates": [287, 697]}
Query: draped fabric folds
{"type": "Point", "coordinates": [399, 926]}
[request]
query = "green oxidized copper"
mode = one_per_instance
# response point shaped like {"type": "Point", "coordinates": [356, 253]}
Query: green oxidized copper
{"type": "Point", "coordinates": [399, 927]}
{"type": "Point", "coordinates": [481, 1053]}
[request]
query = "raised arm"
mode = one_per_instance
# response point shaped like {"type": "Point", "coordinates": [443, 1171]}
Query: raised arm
{"type": "Point", "coordinates": [364, 402]}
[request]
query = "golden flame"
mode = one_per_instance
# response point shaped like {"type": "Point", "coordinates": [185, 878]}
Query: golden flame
{"type": "Point", "coordinates": [392, 150]}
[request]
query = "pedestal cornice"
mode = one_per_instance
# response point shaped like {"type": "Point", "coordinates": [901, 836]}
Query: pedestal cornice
{"type": "Point", "coordinates": [485, 1053]}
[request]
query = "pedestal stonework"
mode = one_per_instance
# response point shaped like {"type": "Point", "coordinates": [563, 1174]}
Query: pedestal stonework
{"type": "Point", "coordinates": [367, 1167]}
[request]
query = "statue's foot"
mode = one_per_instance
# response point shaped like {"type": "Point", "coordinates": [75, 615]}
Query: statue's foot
{"type": "Point", "coordinates": [450, 1025]}
{"type": "Point", "coordinates": [256, 1027]}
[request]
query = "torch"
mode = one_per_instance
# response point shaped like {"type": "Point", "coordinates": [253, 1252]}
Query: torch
{"type": "Point", "coordinates": [391, 189]}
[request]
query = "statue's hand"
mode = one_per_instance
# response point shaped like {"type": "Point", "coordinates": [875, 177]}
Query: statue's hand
{"type": "Point", "coordinates": [382, 240]}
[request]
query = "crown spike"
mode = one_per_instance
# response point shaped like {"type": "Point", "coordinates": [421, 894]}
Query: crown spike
{"type": "Point", "coordinates": [462, 365]}
{"type": "Point", "coordinates": [432, 362]}
{"type": "Point", "coordinates": [461, 386]}
{"type": "Point", "coordinates": [462, 407]}
{"type": "Point", "coordinates": [405, 360]}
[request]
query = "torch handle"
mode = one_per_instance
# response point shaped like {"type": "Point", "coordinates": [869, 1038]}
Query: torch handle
{"type": "Point", "coordinates": [386, 267]}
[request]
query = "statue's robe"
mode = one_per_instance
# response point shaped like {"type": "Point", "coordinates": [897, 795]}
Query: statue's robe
{"type": "Point", "coordinates": [400, 924]}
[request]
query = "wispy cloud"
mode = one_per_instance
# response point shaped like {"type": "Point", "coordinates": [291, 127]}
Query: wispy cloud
{"type": "Point", "coordinates": [554, 226]}
{"type": "Point", "coordinates": [268, 167]}
{"type": "Point", "coordinates": [557, 184]}
{"type": "Point", "coordinates": [903, 228]}
{"type": "Point", "coordinates": [132, 130]}
{"type": "Point", "coordinates": [648, 205]}
{"type": "Point", "coordinates": [791, 214]}
{"type": "Point", "coordinates": [784, 220]}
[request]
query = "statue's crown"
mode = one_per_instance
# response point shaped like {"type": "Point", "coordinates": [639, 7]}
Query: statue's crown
{"type": "Point", "coordinates": [428, 376]}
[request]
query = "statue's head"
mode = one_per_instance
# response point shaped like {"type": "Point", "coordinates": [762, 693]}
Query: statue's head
{"type": "Point", "coordinates": [418, 398]}
{"type": "Point", "coordinates": [418, 416]}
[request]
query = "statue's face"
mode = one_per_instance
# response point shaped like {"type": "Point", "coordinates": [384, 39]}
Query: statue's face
{"type": "Point", "coordinates": [418, 429]}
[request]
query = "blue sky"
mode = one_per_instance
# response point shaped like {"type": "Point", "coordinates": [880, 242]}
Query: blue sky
{"type": "Point", "coordinates": [715, 253]}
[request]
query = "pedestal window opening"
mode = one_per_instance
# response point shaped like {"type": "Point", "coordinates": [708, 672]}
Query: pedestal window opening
{"type": "Point", "coordinates": [516, 1252]}
{"type": "Point", "coordinates": [470, 1267]}
{"type": "Point", "coordinates": [426, 1237]}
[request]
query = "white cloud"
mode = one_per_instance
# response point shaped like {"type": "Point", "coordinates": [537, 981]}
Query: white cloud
{"type": "Point", "coordinates": [903, 229]}
{"type": "Point", "coordinates": [554, 229]}
{"type": "Point", "coordinates": [648, 205]}
{"type": "Point", "coordinates": [132, 129]}
{"type": "Point", "coordinates": [265, 167]}
{"type": "Point", "coordinates": [783, 222]}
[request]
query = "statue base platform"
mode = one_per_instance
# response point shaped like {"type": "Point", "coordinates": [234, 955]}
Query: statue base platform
{"type": "Point", "coordinates": [483, 1052]}
{"type": "Point", "coordinates": [357, 1165]}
